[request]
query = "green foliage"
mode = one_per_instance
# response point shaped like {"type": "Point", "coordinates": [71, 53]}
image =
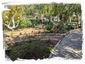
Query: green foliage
{"type": "Point", "coordinates": [37, 21]}
{"type": "Point", "coordinates": [21, 50]}
{"type": "Point", "coordinates": [7, 15]}
{"type": "Point", "coordinates": [68, 27]}
{"type": "Point", "coordinates": [31, 46]}
{"type": "Point", "coordinates": [73, 26]}
{"type": "Point", "coordinates": [46, 49]}
{"type": "Point", "coordinates": [33, 10]}
{"type": "Point", "coordinates": [62, 28]}
{"type": "Point", "coordinates": [53, 9]}
{"type": "Point", "coordinates": [49, 26]}
{"type": "Point", "coordinates": [25, 23]}
{"type": "Point", "coordinates": [14, 54]}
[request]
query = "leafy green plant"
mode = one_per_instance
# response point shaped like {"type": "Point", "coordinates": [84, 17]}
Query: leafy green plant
{"type": "Point", "coordinates": [14, 54]}
{"type": "Point", "coordinates": [25, 23]}
{"type": "Point", "coordinates": [68, 27]}
{"type": "Point", "coordinates": [73, 26]}
{"type": "Point", "coordinates": [46, 49]}
{"type": "Point", "coordinates": [36, 21]}
{"type": "Point", "coordinates": [62, 28]}
{"type": "Point", "coordinates": [21, 50]}
{"type": "Point", "coordinates": [49, 26]}
{"type": "Point", "coordinates": [28, 50]}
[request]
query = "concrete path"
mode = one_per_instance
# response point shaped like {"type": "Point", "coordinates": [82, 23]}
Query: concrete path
{"type": "Point", "coordinates": [70, 47]}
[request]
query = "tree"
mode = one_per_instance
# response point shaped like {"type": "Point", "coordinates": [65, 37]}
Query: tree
{"type": "Point", "coordinates": [12, 18]}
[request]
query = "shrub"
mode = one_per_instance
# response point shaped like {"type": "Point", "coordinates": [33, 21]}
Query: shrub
{"type": "Point", "coordinates": [25, 23]}
{"type": "Point", "coordinates": [35, 22]}
{"type": "Point", "coordinates": [46, 49]}
{"type": "Point", "coordinates": [14, 54]}
{"type": "Point", "coordinates": [21, 50]}
{"type": "Point", "coordinates": [73, 26]}
{"type": "Point", "coordinates": [62, 28]}
{"type": "Point", "coordinates": [28, 50]}
{"type": "Point", "coordinates": [68, 27]}
{"type": "Point", "coordinates": [49, 26]}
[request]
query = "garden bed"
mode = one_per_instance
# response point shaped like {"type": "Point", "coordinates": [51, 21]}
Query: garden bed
{"type": "Point", "coordinates": [33, 49]}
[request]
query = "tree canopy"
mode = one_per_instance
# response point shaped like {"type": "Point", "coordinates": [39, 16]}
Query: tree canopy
{"type": "Point", "coordinates": [53, 9]}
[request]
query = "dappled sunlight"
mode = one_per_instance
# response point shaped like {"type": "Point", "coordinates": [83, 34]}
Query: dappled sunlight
{"type": "Point", "coordinates": [28, 31]}
{"type": "Point", "coordinates": [36, 31]}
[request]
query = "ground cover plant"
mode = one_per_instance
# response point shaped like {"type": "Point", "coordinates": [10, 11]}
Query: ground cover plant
{"type": "Point", "coordinates": [30, 49]}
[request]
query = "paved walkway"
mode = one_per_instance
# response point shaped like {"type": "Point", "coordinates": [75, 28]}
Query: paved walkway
{"type": "Point", "coordinates": [70, 47]}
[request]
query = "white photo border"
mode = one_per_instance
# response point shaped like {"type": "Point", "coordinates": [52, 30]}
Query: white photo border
{"type": "Point", "coordinates": [44, 61]}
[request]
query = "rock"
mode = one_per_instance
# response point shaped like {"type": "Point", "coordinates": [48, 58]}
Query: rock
{"type": "Point", "coordinates": [70, 47]}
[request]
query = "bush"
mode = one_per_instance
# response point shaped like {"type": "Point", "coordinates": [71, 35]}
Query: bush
{"type": "Point", "coordinates": [62, 28]}
{"type": "Point", "coordinates": [25, 23]}
{"type": "Point", "coordinates": [49, 26]}
{"type": "Point", "coordinates": [14, 54]}
{"type": "Point", "coordinates": [35, 22]}
{"type": "Point", "coordinates": [29, 50]}
{"type": "Point", "coordinates": [68, 27]}
{"type": "Point", "coordinates": [46, 49]}
{"type": "Point", "coordinates": [73, 26]}
{"type": "Point", "coordinates": [21, 50]}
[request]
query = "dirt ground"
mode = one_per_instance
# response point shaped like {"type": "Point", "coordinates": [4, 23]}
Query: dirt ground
{"type": "Point", "coordinates": [29, 31]}
{"type": "Point", "coordinates": [29, 34]}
